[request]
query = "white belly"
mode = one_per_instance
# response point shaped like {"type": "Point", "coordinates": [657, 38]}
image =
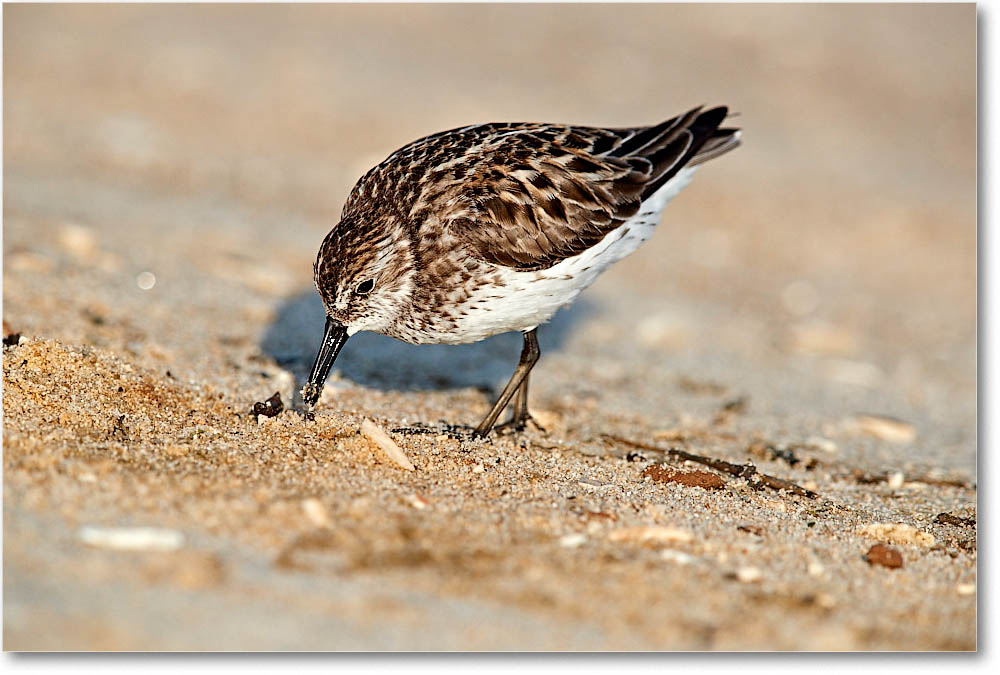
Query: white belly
{"type": "Point", "coordinates": [528, 299]}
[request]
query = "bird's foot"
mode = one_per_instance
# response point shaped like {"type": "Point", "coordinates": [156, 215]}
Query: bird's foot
{"type": "Point", "coordinates": [518, 423]}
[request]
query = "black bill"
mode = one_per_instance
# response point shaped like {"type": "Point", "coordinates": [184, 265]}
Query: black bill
{"type": "Point", "coordinates": [334, 337]}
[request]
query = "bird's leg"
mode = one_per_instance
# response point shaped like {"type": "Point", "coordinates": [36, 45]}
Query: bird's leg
{"type": "Point", "coordinates": [529, 356]}
{"type": "Point", "coordinates": [520, 414]}
{"type": "Point", "coordinates": [520, 418]}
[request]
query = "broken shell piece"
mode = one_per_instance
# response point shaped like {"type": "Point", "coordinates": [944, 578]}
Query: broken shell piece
{"type": "Point", "coordinates": [573, 540]}
{"type": "Point", "coordinates": [316, 512]}
{"type": "Point", "coordinates": [886, 428]}
{"type": "Point", "coordinates": [678, 557]}
{"type": "Point", "coordinates": [897, 533]}
{"type": "Point", "coordinates": [650, 533]}
{"type": "Point", "coordinates": [132, 538]}
{"type": "Point", "coordinates": [593, 485]}
{"type": "Point", "coordinates": [419, 502]}
{"type": "Point", "coordinates": [749, 575]}
{"type": "Point", "coordinates": [378, 436]}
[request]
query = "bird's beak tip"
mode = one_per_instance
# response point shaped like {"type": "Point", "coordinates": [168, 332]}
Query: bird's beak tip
{"type": "Point", "coordinates": [334, 337]}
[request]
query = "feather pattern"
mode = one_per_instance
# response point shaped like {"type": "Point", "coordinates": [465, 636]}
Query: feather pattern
{"type": "Point", "coordinates": [526, 196]}
{"type": "Point", "coordinates": [452, 224]}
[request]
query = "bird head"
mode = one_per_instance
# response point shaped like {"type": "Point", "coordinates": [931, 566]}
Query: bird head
{"type": "Point", "coordinates": [364, 275]}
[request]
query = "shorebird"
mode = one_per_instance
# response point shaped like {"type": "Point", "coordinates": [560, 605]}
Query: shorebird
{"type": "Point", "coordinates": [492, 228]}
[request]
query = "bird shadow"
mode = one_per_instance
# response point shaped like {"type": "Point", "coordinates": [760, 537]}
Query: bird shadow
{"type": "Point", "coordinates": [380, 362]}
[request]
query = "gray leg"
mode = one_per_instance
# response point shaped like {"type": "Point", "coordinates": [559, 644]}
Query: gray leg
{"type": "Point", "coordinates": [519, 420]}
{"type": "Point", "coordinates": [518, 383]}
{"type": "Point", "coordinates": [521, 413]}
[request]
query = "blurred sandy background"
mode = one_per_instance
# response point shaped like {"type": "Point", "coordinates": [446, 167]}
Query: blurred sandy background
{"type": "Point", "coordinates": [825, 269]}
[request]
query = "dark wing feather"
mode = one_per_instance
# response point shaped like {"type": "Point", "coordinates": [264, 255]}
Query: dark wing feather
{"type": "Point", "coordinates": [528, 196]}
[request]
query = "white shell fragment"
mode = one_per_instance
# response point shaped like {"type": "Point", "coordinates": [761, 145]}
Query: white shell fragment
{"type": "Point", "coordinates": [594, 485]}
{"type": "Point", "coordinates": [316, 512]}
{"type": "Point", "coordinates": [677, 557]}
{"type": "Point", "coordinates": [650, 533]}
{"type": "Point", "coordinates": [886, 428]}
{"type": "Point", "coordinates": [132, 538]}
{"type": "Point", "coordinates": [898, 533]}
{"type": "Point", "coordinates": [749, 575]}
{"type": "Point", "coordinates": [378, 436]}
{"type": "Point", "coordinates": [573, 540]}
{"type": "Point", "coordinates": [419, 502]}
{"type": "Point", "coordinates": [145, 280]}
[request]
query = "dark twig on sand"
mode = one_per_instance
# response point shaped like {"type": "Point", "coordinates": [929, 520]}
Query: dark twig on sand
{"type": "Point", "coordinates": [455, 431]}
{"type": "Point", "coordinates": [746, 471]}
{"type": "Point", "coordinates": [949, 519]}
{"type": "Point", "coordinates": [864, 477]}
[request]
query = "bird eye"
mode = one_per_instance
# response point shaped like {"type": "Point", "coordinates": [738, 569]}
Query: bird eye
{"type": "Point", "coordinates": [365, 287]}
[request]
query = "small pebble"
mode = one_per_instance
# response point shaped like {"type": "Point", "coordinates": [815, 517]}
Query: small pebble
{"type": "Point", "coordinates": [572, 540]}
{"type": "Point", "coordinates": [591, 484]}
{"type": "Point", "coordinates": [883, 555]}
{"type": "Point", "coordinates": [886, 428]}
{"type": "Point", "coordinates": [269, 408]}
{"type": "Point", "coordinates": [419, 502]}
{"type": "Point", "coordinates": [895, 480]}
{"type": "Point", "coordinates": [132, 538]}
{"type": "Point", "coordinates": [678, 557]}
{"type": "Point", "coordinates": [316, 512]}
{"type": "Point", "coordinates": [966, 589]}
{"type": "Point", "coordinates": [815, 569]}
{"type": "Point", "coordinates": [145, 280]}
{"type": "Point", "coordinates": [898, 533]}
{"type": "Point", "coordinates": [749, 575]}
{"type": "Point", "coordinates": [650, 533]}
{"type": "Point", "coordinates": [378, 436]}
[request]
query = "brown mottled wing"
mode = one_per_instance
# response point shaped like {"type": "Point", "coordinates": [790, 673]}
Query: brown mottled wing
{"type": "Point", "coordinates": [533, 195]}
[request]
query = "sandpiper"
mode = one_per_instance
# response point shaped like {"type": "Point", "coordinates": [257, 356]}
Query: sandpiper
{"type": "Point", "coordinates": [492, 228]}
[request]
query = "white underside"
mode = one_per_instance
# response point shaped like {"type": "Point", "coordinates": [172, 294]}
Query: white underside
{"type": "Point", "coordinates": [528, 299]}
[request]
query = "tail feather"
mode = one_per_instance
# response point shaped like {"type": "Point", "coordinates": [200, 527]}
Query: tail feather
{"type": "Point", "coordinates": [719, 144]}
{"type": "Point", "coordinates": [702, 140]}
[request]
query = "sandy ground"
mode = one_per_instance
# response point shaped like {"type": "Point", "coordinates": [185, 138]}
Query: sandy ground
{"type": "Point", "coordinates": [808, 305]}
